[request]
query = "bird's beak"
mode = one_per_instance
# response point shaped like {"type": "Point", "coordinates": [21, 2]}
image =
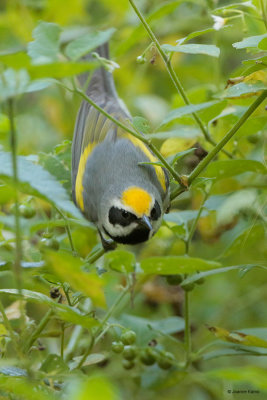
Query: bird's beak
{"type": "Point", "coordinates": [144, 221]}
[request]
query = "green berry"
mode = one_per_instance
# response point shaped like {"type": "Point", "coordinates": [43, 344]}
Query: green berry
{"type": "Point", "coordinates": [129, 352]}
{"type": "Point", "coordinates": [117, 347]}
{"type": "Point", "coordinates": [128, 337]}
{"type": "Point", "coordinates": [174, 279]}
{"type": "Point", "coordinates": [188, 286]}
{"type": "Point", "coordinates": [166, 360]}
{"type": "Point", "coordinates": [200, 281]}
{"type": "Point", "coordinates": [127, 364]}
{"type": "Point", "coordinates": [148, 356]}
{"type": "Point", "coordinates": [52, 244]}
{"type": "Point", "coordinates": [141, 59]}
{"type": "Point", "coordinates": [27, 211]}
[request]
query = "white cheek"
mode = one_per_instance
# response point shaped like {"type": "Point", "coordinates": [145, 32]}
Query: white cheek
{"type": "Point", "coordinates": [118, 230]}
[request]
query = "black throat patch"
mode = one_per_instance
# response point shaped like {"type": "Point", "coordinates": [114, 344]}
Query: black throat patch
{"type": "Point", "coordinates": [138, 235]}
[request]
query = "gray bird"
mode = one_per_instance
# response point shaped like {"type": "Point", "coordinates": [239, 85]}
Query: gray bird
{"type": "Point", "coordinates": [123, 198]}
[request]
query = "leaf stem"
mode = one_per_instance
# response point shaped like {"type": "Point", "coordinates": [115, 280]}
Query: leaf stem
{"type": "Point", "coordinates": [42, 324]}
{"type": "Point", "coordinates": [9, 328]}
{"type": "Point", "coordinates": [204, 163]}
{"type": "Point", "coordinates": [176, 81]}
{"type": "Point", "coordinates": [67, 226]}
{"type": "Point", "coordinates": [13, 145]}
{"type": "Point", "coordinates": [187, 331]}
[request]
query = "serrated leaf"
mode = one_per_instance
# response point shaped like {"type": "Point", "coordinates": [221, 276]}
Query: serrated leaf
{"type": "Point", "coordinates": [68, 268]}
{"type": "Point", "coordinates": [45, 47]}
{"type": "Point", "coordinates": [37, 181]}
{"type": "Point", "coordinates": [237, 337]}
{"type": "Point", "coordinates": [141, 124]}
{"type": "Point", "coordinates": [87, 43]}
{"type": "Point", "coordinates": [226, 168]}
{"type": "Point", "coordinates": [66, 313]}
{"type": "Point", "coordinates": [172, 265]}
{"type": "Point", "coordinates": [251, 41]}
{"type": "Point", "coordinates": [205, 49]}
{"type": "Point", "coordinates": [185, 110]}
{"type": "Point", "coordinates": [120, 261]}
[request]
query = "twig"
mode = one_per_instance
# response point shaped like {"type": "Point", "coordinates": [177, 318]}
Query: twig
{"type": "Point", "coordinates": [176, 81]}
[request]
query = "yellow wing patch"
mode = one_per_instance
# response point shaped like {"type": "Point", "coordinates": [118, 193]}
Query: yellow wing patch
{"type": "Point", "coordinates": [159, 171]}
{"type": "Point", "coordinates": [138, 199]}
{"type": "Point", "coordinates": [79, 179]}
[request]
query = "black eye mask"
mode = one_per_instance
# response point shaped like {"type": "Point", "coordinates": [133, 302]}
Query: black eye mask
{"type": "Point", "coordinates": [155, 212]}
{"type": "Point", "coordinates": [121, 217]}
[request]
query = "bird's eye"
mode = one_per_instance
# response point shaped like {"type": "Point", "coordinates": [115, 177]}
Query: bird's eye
{"type": "Point", "coordinates": [125, 214]}
{"type": "Point", "coordinates": [153, 212]}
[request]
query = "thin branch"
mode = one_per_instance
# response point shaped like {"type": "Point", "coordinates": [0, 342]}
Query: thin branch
{"type": "Point", "coordinates": [176, 81]}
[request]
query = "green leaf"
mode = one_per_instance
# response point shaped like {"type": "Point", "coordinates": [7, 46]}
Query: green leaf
{"type": "Point", "coordinates": [244, 88]}
{"type": "Point", "coordinates": [211, 272]}
{"type": "Point", "coordinates": [172, 265]}
{"type": "Point", "coordinates": [56, 167]}
{"type": "Point", "coordinates": [192, 35]}
{"type": "Point", "coordinates": [92, 359]}
{"type": "Point", "coordinates": [206, 49]}
{"type": "Point", "coordinates": [181, 111]}
{"type": "Point", "coordinates": [85, 44]}
{"type": "Point", "coordinates": [95, 387]}
{"type": "Point", "coordinates": [58, 70]}
{"type": "Point", "coordinates": [45, 47]}
{"type": "Point", "coordinates": [37, 181]}
{"type": "Point", "coordinates": [182, 131]}
{"type": "Point", "coordinates": [66, 313]}
{"type": "Point", "coordinates": [120, 261]}
{"type": "Point", "coordinates": [53, 365]}
{"type": "Point", "coordinates": [240, 338]}
{"type": "Point", "coordinates": [23, 389]}
{"type": "Point", "coordinates": [226, 168]}
{"type": "Point", "coordinates": [247, 374]}
{"type": "Point", "coordinates": [141, 124]}
{"type": "Point", "coordinates": [68, 268]}
{"type": "Point", "coordinates": [182, 217]}
{"type": "Point", "coordinates": [263, 44]}
{"type": "Point", "coordinates": [251, 41]}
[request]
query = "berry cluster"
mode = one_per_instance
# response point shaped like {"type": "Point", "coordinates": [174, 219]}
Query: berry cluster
{"type": "Point", "coordinates": [147, 356]}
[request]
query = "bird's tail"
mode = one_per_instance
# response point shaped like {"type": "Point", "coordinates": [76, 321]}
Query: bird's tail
{"type": "Point", "coordinates": [101, 83]}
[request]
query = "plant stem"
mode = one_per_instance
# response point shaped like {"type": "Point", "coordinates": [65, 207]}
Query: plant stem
{"type": "Point", "coordinates": [42, 324]}
{"type": "Point", "coordinates": [176, 81]}
{"type": "Point", "coordinates": [62, 340]}
{"type": "Point", "coordinates": [95, 256]}
{"type": "Point", "coordinates": [204, 163]}
{"type": "Point", "coordinates": [148, 142]}
{"type": "Point", "coordinates": [9, 328]}
{"type": "Point", "coordinates": [13, 144]}
{"type": "Point", "coordinates": [98, 330]}
{"type": "Point", "coordinates": [263, 11]}
{"type": "Point", "coordinates": [187, 331]}
{"type": "Point", "coordinates": [67, 226]}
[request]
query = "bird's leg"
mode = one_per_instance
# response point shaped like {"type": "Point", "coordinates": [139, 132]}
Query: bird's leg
{"type": "Point", "coordinates": [108, 244]}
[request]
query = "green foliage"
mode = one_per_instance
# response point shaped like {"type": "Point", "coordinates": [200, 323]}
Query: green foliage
{"type": "Point", "coordinates": [167, 318]}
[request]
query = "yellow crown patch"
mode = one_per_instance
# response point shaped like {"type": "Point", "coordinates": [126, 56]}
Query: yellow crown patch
{"type": "Point", "coordinates": [138, 199]}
